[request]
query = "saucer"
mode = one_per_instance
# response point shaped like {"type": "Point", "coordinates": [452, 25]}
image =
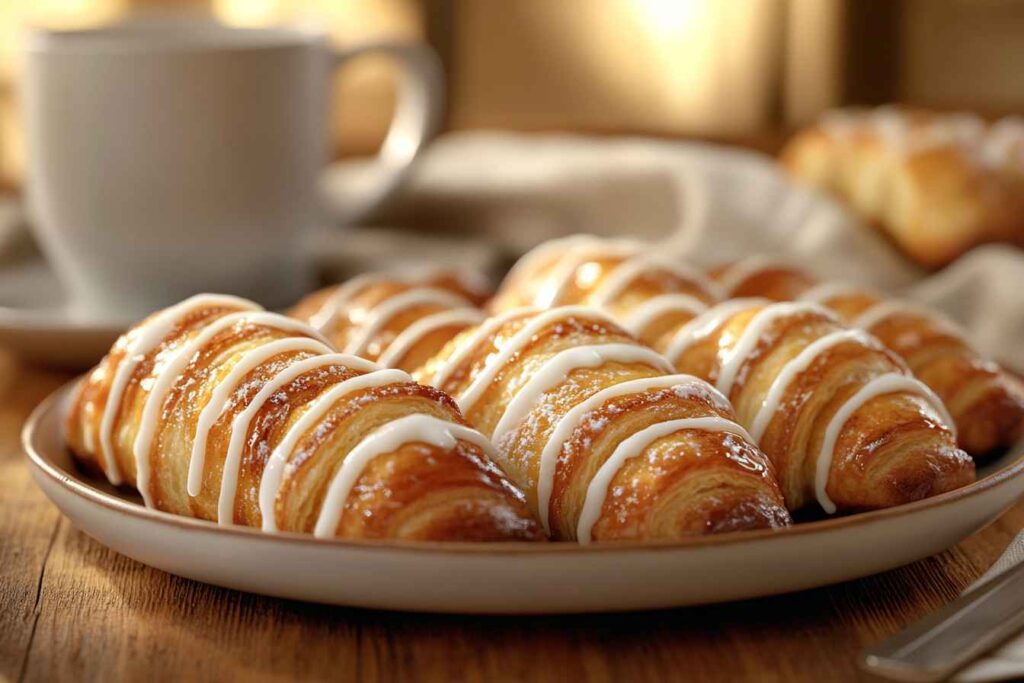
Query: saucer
{"type": "Point", "coordinates": [36, 324]}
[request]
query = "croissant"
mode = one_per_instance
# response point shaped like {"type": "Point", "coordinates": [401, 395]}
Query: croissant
{"type": "Point", "coordinates": [216, 409]}
{"type": "Point", "coordinates": [839, 415]}
{"type": "Point", "coordinates": [399, 321]}
{"type": "Point", "coordinates": [937, 184]}
{"type": "Point", "coordinates": [648, 294]}
{"type": "Point", "coordinates": [607, 442]}
{"type": "Point", "coordinates": [985, 401]}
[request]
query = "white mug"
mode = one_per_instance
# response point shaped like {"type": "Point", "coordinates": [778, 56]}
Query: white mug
{"type": "Point", "coordinates": [170, 159]}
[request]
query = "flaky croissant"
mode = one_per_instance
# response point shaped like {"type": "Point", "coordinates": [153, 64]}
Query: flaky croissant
{"type": "Point", "coordinates": [400, 321]}
{"type": "Point", "coordinates": [840, 416]}
{"type": "Point", "coordinates": [216, 409]}
{"type": "Point", "coordinates": [606, 441]}
{"type": "Point", "coordinates": [985, 401]}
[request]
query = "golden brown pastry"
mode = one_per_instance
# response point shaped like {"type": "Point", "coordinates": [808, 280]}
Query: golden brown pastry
{"type": "Point", "coordinates": [938, 184]}
{"type": "Point", "coordinates": [840, 416]}
{"type": "Point", "coordinates": [399, 321]}
{"type": "Point", "coordinates": [606, 441]}
{"type": "Point", "coordinates": [645, 292]}
{"type": "Point", "coordinates": [215, 409]}
{"type": "Point", "coordinates": [985, 401]}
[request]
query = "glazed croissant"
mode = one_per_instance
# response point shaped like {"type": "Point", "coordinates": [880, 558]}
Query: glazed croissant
{"type": "Point", "coordinates": [606, 441]}
{"type": "Point", "coordinates": [215, 409]}
{"type": "Point", "coordinates": [648, 294]}
{"type": "Point", "coordinates": [400, 321]}
{"type": "Point", "coordinates": [937, 184]}
{"type": "Point", "coordinates": [985, 401]}
{"type": "Point", "coordinates": [841, 417]}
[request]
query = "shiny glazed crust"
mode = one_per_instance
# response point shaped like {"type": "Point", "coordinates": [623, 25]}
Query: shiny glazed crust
{"type": "Point", "coordinates": [614, 275]}
{"type": "Point", "coordinates": [985, 401]}
{"type": "Point", "coordinates": [441, 487]}
{"type": "Point", "coordinates": [893, 448]}
{"type": "Point", "coordinates": [575, 416]}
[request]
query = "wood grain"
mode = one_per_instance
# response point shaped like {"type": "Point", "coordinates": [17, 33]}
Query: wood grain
{"type": "Point", "coordinates": [70, 609]}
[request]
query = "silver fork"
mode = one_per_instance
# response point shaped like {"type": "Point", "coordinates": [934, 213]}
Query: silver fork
{"type": "Point", "coordinates": [944, 641]}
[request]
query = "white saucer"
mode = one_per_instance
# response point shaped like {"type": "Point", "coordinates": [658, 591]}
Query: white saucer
{"type": "Point", "coordinates": [36, 324]}
{"type": "Point", "coordinates": [512, 577]}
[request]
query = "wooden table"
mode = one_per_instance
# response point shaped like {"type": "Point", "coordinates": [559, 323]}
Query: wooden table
{"type": "Point", "coordinates": [70, 609]}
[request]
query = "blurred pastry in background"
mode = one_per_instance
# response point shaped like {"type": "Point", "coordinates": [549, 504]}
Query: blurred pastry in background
{"type": "Point", "coordinates": [936, 184]}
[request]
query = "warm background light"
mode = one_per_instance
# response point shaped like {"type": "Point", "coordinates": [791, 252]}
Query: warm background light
{"type": "Point", "coordinates": [738, 70]}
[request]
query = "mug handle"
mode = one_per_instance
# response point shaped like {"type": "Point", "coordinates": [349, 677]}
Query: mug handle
{"type": "Point", "coordinates": [354, 191]}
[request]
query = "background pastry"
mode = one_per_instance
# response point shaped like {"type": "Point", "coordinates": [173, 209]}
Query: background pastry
{"type": "Point", "coordinates": [937, 184]}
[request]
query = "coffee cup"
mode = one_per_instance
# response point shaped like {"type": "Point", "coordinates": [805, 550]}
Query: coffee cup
{"type": "Point", "coordinates": [167, 160]}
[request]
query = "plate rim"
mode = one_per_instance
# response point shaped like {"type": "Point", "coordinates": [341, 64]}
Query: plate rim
{"type": "Point", "coordinates": [84, 490]}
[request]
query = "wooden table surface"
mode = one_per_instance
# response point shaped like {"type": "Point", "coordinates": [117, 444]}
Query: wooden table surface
{"type": "Point", "coordinates": [70, 609]}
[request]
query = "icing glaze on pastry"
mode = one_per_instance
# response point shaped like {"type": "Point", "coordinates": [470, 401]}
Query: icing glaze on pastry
{"type": "Point", "coordinates": [879, 386]}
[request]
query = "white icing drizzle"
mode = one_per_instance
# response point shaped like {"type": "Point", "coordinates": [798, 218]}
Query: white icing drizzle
{"type": "Point", "coordinates": [176, 364]}
{"type": "Point", "coordinates": [465, 349]}
{"type": "Point", "coordinates": [557, 369]}
{"type": "Point", "coordinates": [223, 390]}
{"type": "Point", "coordinates": [553, 291]}
{"type": "Point", "coordinates": [748, 340]}
{"type": "Point", "coordinates": [145, 339]}
{"type": "Point", "coordinates": [380, 314]}
{"type": "Point", "coordinates": [706, 323]}
{"type": "Point", "coordinates": [879, 386]}
{"type": "Point", "coordinates": [274, 471]}
{"type": "Point", "coordinates": [387, 439]}
{"type": "Point", "coordinates": [637, 320]}
{"type": "Point", "coordinates": [797, 365]}
{"type": "Point", "coordinates": [570, 422]}
{"type": "Point", "coordinates": [412, 335]}
{"type": "Point", "coordinates": [630, 448]}
{"type": "Point", "coordinates": [497, 361]}
{"type": "Point", "coordinates": [740, 271]}
{"type": "Point", "coordinates": [825, 291]}
{"type": "Point", "coordinates": [241, 423]}
{"type": "Point", "coordinates": [886, 309]}
{"type": "Point", "coordinates": [340, 297]}
{"type": "Point", "coordinates": [628, 272]}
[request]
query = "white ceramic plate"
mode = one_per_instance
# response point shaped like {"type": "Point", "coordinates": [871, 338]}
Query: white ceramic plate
{"type": "Point", "coordinates": [512, 578]}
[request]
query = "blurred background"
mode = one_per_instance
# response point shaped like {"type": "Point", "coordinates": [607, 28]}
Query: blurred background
{"type": "Point", "coordinates": [739, 71]}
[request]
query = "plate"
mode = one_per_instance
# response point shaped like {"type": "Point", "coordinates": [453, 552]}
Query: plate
{"type": "Point", "coordinates": [513, 578]}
